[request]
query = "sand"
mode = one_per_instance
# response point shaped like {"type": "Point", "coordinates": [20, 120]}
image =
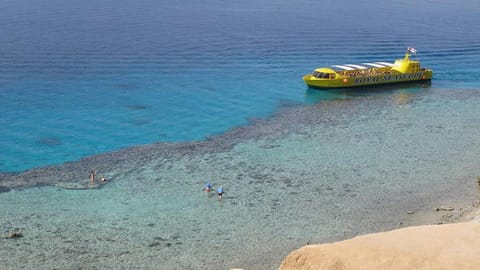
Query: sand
{"type": "Point", "coordinates": [448, 246]}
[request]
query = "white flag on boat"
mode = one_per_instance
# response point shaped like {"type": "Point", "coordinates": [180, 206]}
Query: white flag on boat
{"type": "Point", "coordinates": [412, 50]}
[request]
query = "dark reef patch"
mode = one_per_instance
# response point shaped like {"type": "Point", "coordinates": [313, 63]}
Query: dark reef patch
{"type": "Point", "coordinates": [137, 107]}
{"type": "Point", "coordinates": [290, 120]}
{"type": "Point", "coordinates": [125, 86]}
{"type": "Point", "coordinates": [49, 141]}
{"type": "Point", "coordinates": [140, 122]}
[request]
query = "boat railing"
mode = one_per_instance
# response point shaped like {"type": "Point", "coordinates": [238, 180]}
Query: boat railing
{"type": "Point", "coordinates": [367, 73]}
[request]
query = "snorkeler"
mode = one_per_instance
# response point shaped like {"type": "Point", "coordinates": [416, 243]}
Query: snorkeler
{"type": "Point", "coordinates": [103, 179]}
{"type": "Point", "coordinates": [208, 187]}
{"type": "Point", "coordinates": [220, 192]}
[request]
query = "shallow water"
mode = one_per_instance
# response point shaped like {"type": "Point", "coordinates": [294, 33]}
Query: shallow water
{"type": "Point", "coordinates": [319, 173]}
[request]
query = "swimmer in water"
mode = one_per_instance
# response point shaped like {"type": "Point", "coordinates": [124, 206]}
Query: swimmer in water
{"type": "Point", "coordinates": [208, 187]}
{"type": "Point", "coordinates": [220, 192]}
{"type": "Point", "coordinates": [92, 176]}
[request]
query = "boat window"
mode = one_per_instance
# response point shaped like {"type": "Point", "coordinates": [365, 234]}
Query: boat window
{"type": "Point", "coordinates": [322, 75]}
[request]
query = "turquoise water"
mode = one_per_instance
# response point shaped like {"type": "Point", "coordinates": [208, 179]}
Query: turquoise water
{"type": "Point", "coordinates": [79, 79]}
{"type": "Point", "coordinates": [212, 91]}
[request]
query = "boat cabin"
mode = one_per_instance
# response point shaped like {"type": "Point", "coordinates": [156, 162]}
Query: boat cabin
{"type": "Point", "coordinates": [353, 70]}
{"type": "Point", "coordinates": [324, 73]}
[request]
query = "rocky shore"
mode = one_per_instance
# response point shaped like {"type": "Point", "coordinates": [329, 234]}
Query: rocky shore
{"type": "Point", "coordinates": [445, 246]}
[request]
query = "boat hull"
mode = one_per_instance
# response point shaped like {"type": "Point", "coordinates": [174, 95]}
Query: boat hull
{"type": "Point", "coordinates": [365, 81]}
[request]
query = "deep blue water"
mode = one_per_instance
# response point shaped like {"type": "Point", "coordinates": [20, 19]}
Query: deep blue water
{"type": "Point", "coordinates": [79, 78]}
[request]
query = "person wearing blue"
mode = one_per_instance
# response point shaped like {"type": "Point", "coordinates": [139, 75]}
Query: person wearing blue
{"type": "Point", "coordinates": [208, 187]}
{"type": "Point", "coordinates": [220, 192]}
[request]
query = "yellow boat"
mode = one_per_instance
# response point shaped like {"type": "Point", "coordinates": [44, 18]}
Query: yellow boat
{"type": "Point", "coordinates": [367, 74]}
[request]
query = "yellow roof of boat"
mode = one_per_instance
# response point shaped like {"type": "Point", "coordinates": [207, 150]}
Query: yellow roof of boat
{"type": "Point", "coordinates": [325, 70]}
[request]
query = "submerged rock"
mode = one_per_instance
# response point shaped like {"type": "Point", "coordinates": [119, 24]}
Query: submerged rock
{"type": "Point", "coordinates": [444, 208]}
{"type": "Point", "coordinates": [12, 235]}
{"type": "Point", "coordinates": [153, 244]}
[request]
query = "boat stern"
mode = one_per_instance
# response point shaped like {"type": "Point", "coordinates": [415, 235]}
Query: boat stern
{"type": "Point", "coordinates": [427, 74]}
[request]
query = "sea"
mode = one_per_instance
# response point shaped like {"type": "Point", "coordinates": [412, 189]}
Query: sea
{"type": "Point", "coordinates": [161, 97]}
